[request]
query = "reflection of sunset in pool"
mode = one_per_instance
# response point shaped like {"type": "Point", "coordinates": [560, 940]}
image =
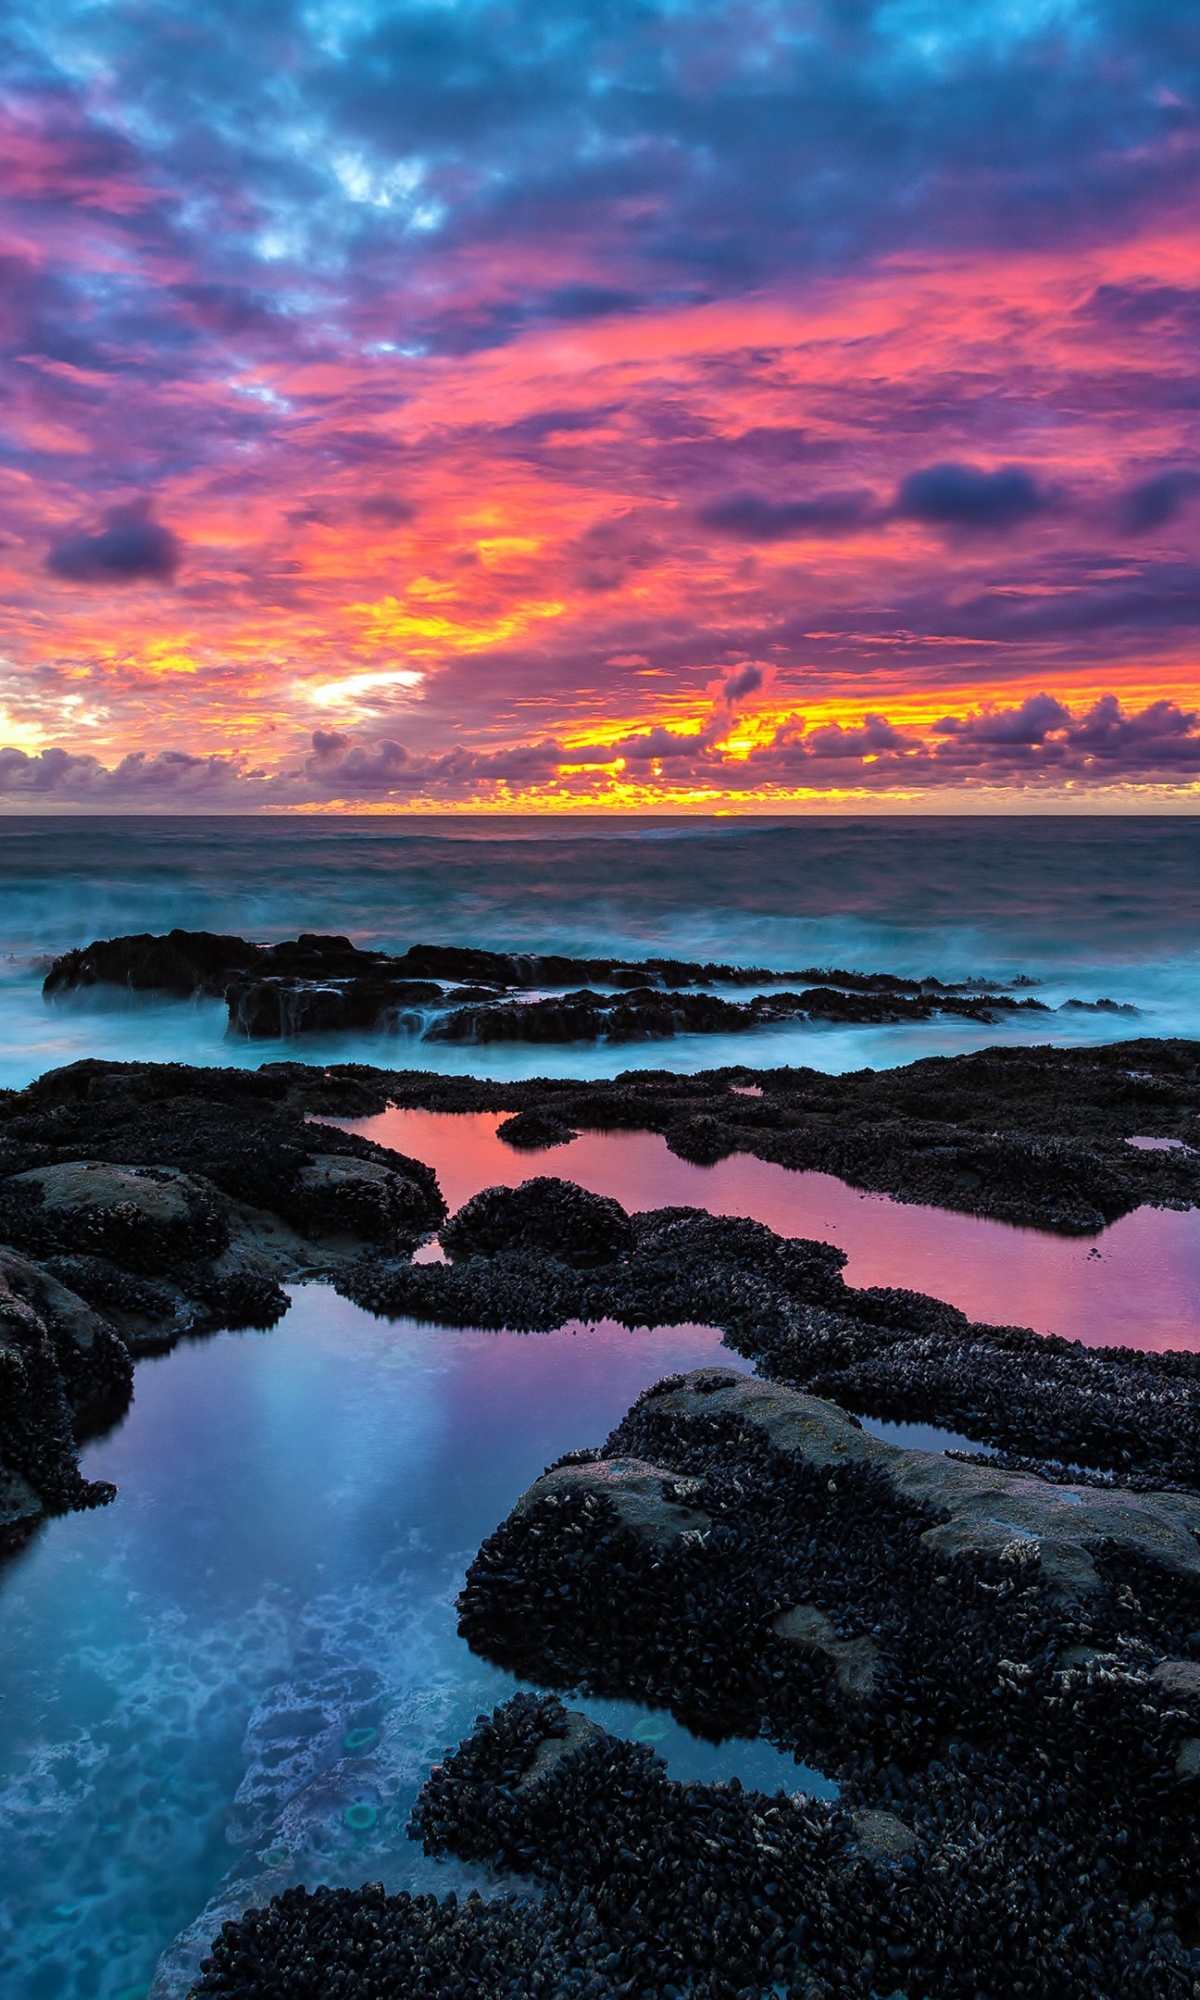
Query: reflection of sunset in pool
{"type": "Point", "coordinates": [1137, 1284]}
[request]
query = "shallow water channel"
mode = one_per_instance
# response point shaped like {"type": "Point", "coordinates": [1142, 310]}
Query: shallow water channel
{"type": "Point", "coordinates": [238, 1675]}
{"type": "Point", "coordinates": [1135, 1284]}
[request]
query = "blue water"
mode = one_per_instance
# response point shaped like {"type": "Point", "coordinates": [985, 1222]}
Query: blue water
{"type": "Point", "coordinates": [1091, 908]}
{"type": "Point", "coordinates": [201, 1681]}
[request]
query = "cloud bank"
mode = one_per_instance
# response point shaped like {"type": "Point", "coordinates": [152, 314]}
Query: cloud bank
{"type": "Point", "coordinates": [1037, 750]}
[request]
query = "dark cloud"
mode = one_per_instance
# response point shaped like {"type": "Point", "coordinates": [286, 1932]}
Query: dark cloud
{"type": "Point", "coordinates": [753, 518]}
{"type": "Point", "coordinates": [656, 746]}
{"type": "Point", "coordinates": [341, 768]}
{"type": "Point", "coordinates": [874, 734]}
{"type": "Point", "coordinates": [609, 551]}
{"type": "Point", "coordinates": [131, 547]}
{"type": "Point", "coordinates": [1155, 502]}
{"type": "Point", "coordinates": [1163, 735]}
{"type": "Point", "coordinates": [1158, 597]}
{"type": "Point", "coordinates": [144, 777]}
{"type": "Point", "coordinates": [1141, 308]}
{"type": "Point", "coordinates": [961, 497]}
{"type": "Point", "coordinates": [1028, 724]}
{"type": "Point", "coordinates": [747, 680]}
{"type": "Point", "coordinates": [584, 302]}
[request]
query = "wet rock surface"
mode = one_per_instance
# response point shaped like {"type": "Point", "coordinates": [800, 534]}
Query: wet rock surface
{"type": "Point", "coordinates": [989, 1871]}
{"type": "Point", "coordinates": [142, 1203]}
{"type": "Point", "coordinates": [1026, 1135]}
{"type": "Point", "coordinates": [1003, 1675]}
{"type": "Point", "coordinates": [543, 1214]}
{"type": "Point", "coordinates": [1125, 1415]}
{"type": "Point", "coordinates": [318, 985]}
{"type": "Point", "coordinates": [1001, 1669]}
{"type": "Point", "coordinates": [64, 1374]}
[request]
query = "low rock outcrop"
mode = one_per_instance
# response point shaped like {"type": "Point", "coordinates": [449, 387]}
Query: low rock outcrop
{"type": "Point", "coordinates": [1003, 1675]}
{"type": "Point", "coordinates": [64, 1374]}
{"type": "Point", "coordinates": [322, 985]}
{"type": "Point", "coordinates": [1036, 1136]}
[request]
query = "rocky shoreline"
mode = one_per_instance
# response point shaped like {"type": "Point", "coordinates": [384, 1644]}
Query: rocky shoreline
{"type": "Point", "coordinates": [998, 1658]}
{"type": "Point", "coordinates": [448, 993]}
{"type": "Point", "coordinates": [140, 1202]}
{"type": "Point", "coordinates": [533, 1257]}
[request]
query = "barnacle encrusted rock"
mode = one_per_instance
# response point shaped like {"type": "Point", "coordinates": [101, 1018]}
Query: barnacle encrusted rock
{"type": "Point", "coordinates": [753, 1557]}
{"type": "Point", "coordinates": [854, 1661]}
{"type": "Point", "coordinates": [644, 1498]}
{"type": "Point", "coordinates": [543, 1215]}
{"type": "Point", "coordinates": [1002, 1672]}
{"type": "Point", "coordinates": [977, 1511]}
{"type": "Point", "coordinates": [63, 1374]}
{"type": "Point", "coordinates": [1033, 1135]}
{"type": "Point", "coordinates": [147, 1217]}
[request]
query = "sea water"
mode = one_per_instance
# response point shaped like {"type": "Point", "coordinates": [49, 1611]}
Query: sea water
{"type": "Point", "coordinates": [238, 1675]}
{"type": "Point", "coordinates": [1089, 908]}
{"type": "Point", "coordinates": [1134, 1284]}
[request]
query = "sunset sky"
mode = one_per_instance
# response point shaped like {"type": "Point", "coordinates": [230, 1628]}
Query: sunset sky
{"type": "Point", "coordinates": [652, 404]}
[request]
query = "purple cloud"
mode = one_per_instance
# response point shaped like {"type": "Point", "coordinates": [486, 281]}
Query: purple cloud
{"type": "Point", "coordinates": [964, 498]}
{"type": "Point", "coordinates": [753, 518]}
{"type": "Point", "coordinates": [132, 547]}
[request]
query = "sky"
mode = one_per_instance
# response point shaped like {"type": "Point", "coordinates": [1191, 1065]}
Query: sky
{"type": "Point", "coordinates": [657, 405]}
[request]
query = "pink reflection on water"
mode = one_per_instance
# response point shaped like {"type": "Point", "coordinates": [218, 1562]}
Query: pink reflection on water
{"type": "Point", "coordinates": [1136, 1285]}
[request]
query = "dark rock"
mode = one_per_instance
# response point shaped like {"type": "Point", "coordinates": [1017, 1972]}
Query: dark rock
{"type": "Point", "coordinates": [1026, 1135]}
{"type": "Point", "coordinates": [188, 963]}
{"type": "Point", "coordinates": [146, 1218]}
{"type": "Point", "coordinates": [550, 1216]}
{"type": "Point", "coordinates": [236, 1129]}
{"type": "Point", "coordinates": [159, 1201]}
{"type": "Point", "coordinates": [534, 1131]}
{"type": "Point", "coordinates": [64, 1374]}
{"type": "Point", "coordinates": [342, 1942]}
{"type": "Point", "coordinates": [1006, 1684]}
{"type": "Point", "coordinates": [323, 985]}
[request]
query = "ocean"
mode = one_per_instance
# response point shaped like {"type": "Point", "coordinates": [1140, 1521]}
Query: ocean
{"type": "Point", "coordinates": [1087, 908]}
